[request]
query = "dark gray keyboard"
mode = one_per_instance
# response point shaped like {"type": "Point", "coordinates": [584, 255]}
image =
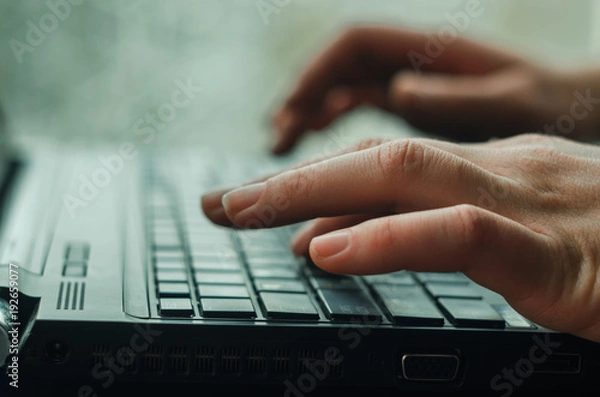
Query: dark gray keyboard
{"type": "Point", "coordinates": [201, 271]}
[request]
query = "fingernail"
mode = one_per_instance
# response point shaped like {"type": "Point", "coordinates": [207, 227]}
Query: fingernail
{"type": "Point", "coordinates": [212, 206]}
{"type": "Point", "coordinates": [331, 244]}
{"type": "Point", "coordinates": [239, 199]}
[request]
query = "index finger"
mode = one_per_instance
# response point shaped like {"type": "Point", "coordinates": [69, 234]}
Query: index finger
{"type": "Point", "coordinates": [403, 174]}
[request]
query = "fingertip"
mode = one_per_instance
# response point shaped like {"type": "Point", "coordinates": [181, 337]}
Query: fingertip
{"type": "Point", "coordinates": [329, 251]}
{"type": "Point", "coordinates": [211, 204]}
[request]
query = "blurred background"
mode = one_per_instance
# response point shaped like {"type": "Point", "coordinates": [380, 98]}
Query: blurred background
{"type": "Point", "coordinates": [98, 70]}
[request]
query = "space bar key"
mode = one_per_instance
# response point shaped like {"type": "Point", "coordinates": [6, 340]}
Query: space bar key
{"type": "Point", "coordinates": [289, 306]}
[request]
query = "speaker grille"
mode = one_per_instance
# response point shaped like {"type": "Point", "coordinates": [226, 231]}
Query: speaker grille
{"type": "Point", "coordinates": [281, 361]}
{"type": "Point", "coordinates": [99, 353]}
{"type": "Point", "coordinates": [230, 360]}
{"type": "Point", "coordinates": [210, 361]}
{"type": "Point", "coordinates": [71, 295]}
{"type": "Point", "coordinates": [153, 359]}
{"type": "Point", "coordinates": [256, 360]}
{"type": "Point", "coordinates": [204, 360]}
{"type": "Point", "coordinates": [178, 360]}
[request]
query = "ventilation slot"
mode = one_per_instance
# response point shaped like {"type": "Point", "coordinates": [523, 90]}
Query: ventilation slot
{"type": "Point", "coordinates": [178, 361]}
{"type": "Point", "coordinates": [98, 354]}
{"type": "Point", "coordinates": [281, 362]}
{"type": "Point", "coordinates": [153, 359]}
{"type": "Point", "coordinates": [204, 360]}
{"type": "Point", "coordinates": [127, 358]}
{"type": "Point", "coordinates": [337, 370]}
{"type": "Point", "coordinates": [256, 361]}
{"type": "Point", "coordinates": [230, 360]}
{"type": "Point", "coordinates": [71, 295]}
{"type": "Point", "coordinates": [306, 360]}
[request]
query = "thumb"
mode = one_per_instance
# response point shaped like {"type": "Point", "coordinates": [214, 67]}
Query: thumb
{"type": "Point", "coordinates": [470, 104]}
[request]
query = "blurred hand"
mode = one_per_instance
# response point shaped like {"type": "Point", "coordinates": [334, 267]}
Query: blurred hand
{"type": "Point", "coordinates": [467, 91]}
{"type": "Point", "coordinates": [519, 216]}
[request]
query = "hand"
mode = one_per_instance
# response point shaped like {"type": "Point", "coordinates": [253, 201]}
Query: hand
{"type": "Point", "coordinates": [519, 216]}
{"type": "Point", "coordinates": [467, 89]}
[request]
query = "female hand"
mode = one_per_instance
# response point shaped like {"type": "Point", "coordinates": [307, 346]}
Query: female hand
{"type": "Point", "coordinates": [520, 216]}
{"type": "Point", "coordinates": [458, 88]}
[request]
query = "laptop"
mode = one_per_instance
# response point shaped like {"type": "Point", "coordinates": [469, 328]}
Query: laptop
{"type": "Point", "coordinates": [110, 275]}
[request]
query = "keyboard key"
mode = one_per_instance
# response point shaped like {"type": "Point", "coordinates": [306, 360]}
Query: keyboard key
{"type": "Point", "coordinates": [265, 285]}
{"type": "Point", "coordinates": [227, 308]}
{"type": "Point", "coordinates": [448, 290]}
{"type": "Point", "coordinates": [409, 305]}
{"type": "Point", "coordinates": [402, 278]}
{"type": "Point", "coordinates": [339, 282]}
{"type": "Point", "coordinates": [512, 317]}
{"type": "Point", "coordinates": [313, 270]}
{"type": "Point", "coordinates": [223, 291]}
{"type": "Point", "coordinates": [171, 275]}
{"type": "Point", "coordinates": [442, 277]}
{"type": "Point", "coordinates": [206, 240]}
{"type": "Point", "coordinates": [173, 290]}
{"type": "Point", "coordinates": [214, 252]}
{"type": "Point", "coordinates": [161, 264]}
{"type": "Point", "coordinates": [169, 256]}
{"type": "Point", "coordinates": [471, 313]}
{"type": "Point", "coordinates": [166, 241]}
{"type": "Point", "coordinates": [216, 265]}
{"type": "Point", "coordinates": [268, 253]}
{"type": "Point", "coordinates": [282, 261]}
{"type": "Point", "coordinates": [274, 273]}
{"type": "Point", "coordinates": [343, 304]}
{"type": "Point", "coordinates": [289, 306]}
{"type": "Point", "coordinates": [230, 278]}
{"type": "Point", "coordinates": [176, 307]}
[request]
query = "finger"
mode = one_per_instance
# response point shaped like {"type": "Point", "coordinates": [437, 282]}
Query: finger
{"type": "Point", "coordinates": [211, 203]}
{"type": "Point", "coordinates": [402, 173]}
{"type": "Point", "coordinates": [320, 226]}
{"type": "Point", "coordinates": [342, 100]}
{"type": "Point", "coordinates": [337, 103]}
{"type": "Point", "coordinates": [213, 208]}
{"type": "Point", "coordinates": [467, 106]}
{"type": "Point", "coordinates": [493, 251]}
{"type": "Point", "coordinates": [372, 54]}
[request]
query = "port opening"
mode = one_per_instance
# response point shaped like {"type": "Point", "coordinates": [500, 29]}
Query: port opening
{"type": "Point", "coordinates": [430, 367]}
{"type": "Point", "coordinates": [560, 363]}
{"type": "Point", "coordinates": [57, 351]}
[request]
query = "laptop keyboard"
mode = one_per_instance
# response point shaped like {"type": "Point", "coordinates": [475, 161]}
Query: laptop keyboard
{"type": "Point", "coordinates": [201, 271]}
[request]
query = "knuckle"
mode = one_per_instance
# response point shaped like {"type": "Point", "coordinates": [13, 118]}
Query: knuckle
{"type": "Point", "coordinates": [287, 185]}
{"type": "Point", "coordinates": [401, 158]}
{"type": "Point", "coordinates": [384, 236]}
{"type": "Point", "coordinates": [472, 227]}
{"type": "Point", "coordinates": [536, 139]}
